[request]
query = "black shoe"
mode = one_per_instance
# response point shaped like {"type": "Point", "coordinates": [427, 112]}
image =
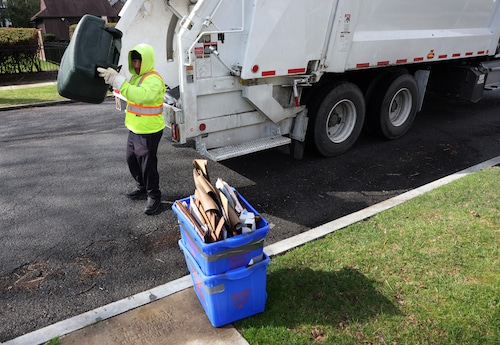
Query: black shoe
{"type": "Point", "coordinates": [152, 205]}
{"type": "Point", "coordinates": [137, 194]}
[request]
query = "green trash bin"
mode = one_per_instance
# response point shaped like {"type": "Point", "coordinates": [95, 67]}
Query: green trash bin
{"type": "Point", "coordinates": [92, 45]}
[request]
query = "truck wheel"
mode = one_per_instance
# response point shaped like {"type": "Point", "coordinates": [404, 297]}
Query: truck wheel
{"type": "Point", "coordinates": [393, 105]}
{"type": "Point", "coordinates": [337, 119]}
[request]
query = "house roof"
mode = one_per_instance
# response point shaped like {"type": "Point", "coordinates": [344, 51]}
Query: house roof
{"type": "Point", "coordinates": [74, 8]}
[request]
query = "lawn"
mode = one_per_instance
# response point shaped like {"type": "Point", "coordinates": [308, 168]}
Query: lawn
{"type": "Point", "coordinates": [424, 272]}
{"type": "Point", "coordinates": [29, 95]}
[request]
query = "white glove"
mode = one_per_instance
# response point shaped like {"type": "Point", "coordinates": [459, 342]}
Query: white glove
{"type": "Point", "coordinates": [111, 77]}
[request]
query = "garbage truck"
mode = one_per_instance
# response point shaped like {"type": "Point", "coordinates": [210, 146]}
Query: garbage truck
{"type": "Point", "coordinates": [249, 75]}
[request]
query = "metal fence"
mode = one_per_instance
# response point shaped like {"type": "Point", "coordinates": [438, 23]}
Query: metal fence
{"type": "Point", "coordinates": [34, 58]}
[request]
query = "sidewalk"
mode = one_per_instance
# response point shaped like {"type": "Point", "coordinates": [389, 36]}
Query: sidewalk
{"type": "Point", "coordinates": [27, 86]}
{"type": "Point", "coordinates": [172, 314]}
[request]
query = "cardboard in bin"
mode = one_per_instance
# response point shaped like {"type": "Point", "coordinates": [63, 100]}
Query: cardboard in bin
{"type": "Point", "coordinates": [233, 295]}
{"type": "Point", "coordinates": [228, 254]}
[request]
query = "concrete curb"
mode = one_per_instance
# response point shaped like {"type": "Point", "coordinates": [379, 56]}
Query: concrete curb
{"type": "Point", "coordinates": [119, 307]}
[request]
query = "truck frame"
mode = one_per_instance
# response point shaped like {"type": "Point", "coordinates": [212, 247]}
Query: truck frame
{"type": "Point", "coordinates": [249, 75]}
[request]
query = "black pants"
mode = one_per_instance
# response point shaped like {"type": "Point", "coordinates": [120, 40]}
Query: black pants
{"type": "Point", "coordinates": [142, 161]}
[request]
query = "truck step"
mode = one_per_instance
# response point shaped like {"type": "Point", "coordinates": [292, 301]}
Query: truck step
{"type": "Point", "coordinates": [232, 151]}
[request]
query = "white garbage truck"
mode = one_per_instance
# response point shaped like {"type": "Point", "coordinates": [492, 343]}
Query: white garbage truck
{"type": "Point", "coordinates": [249, 75]}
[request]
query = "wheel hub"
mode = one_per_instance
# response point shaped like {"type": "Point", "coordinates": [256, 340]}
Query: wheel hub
{"type": "Point", "coordinates": [341, 121]}
{"type": "Point", "coordinates": [400, 107]}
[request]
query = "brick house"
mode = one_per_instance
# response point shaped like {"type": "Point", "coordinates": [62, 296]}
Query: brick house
{"type": "Point", "coordinates": [56, 16]}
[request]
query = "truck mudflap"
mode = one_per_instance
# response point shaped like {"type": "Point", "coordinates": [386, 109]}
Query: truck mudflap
{"type": "Point", "coordinates": [493, 74]}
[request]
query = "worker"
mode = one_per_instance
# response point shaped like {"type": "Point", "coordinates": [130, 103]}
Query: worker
{"type": "Point", "coordinates": [144, 119]}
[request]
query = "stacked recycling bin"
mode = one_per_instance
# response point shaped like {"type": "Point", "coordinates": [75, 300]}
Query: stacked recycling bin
{"type": "Point", "coordinates": [229, 272]}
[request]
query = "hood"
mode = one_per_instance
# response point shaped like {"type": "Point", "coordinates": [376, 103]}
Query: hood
{"type": "Point", "coordinates": [148, 58]}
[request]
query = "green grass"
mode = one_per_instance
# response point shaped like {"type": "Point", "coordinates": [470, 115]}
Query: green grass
{"type": "Point", "coordinates": [29, 95]}
{"type": "Point", "coordinates": [54, 341]}
{"type": "Point", "coordinates": [424, 272]}
{"type": "Point", "coordinates": [49, 66]}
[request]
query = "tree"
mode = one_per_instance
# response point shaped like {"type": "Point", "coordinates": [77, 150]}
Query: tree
{"type": "Point", "coordinates": [19, 12]}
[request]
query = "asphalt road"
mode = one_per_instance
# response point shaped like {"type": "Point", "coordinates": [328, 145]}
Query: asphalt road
{"type": "Point", "coordinates": [71, 240]}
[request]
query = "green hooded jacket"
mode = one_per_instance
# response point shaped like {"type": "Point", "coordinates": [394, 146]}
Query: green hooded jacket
{"type": "Point", "coordinates": [145, 94]}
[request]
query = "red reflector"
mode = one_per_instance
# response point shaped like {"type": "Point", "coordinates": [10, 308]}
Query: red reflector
{"type": "Point", "coordinates": [175, 132]}
{"type": "Point", "coordinates": [418, 59]}
{"type": "Point", "coordinates": [255, 68]}
{"type": "Point", "coordinates": [401, 61]}
{"type": "Point", "coordinates": [363, 65]}
{"type": "Point", "coordinates": [296, 70]}
{"type": "Point", "coordinates": [202, 127]}
{"type": "Point", "coordinates": [268, 73]}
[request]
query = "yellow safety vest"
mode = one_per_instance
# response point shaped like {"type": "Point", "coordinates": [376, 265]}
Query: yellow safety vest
{"type": "Point", "coordinates": [144, 119]}
{"type": "Point", "coordinates": [145, 110]}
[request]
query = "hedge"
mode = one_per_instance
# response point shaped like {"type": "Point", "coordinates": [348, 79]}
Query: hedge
{"type": "Point", "coordinates": [19, 50]}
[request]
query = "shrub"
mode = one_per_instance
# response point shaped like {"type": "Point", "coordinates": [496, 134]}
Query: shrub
{"type": "Point", "coordinates": [19, 50]}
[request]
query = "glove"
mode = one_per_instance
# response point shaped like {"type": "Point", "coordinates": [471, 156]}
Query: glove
{"type": "Point", "coordinates": [111, 77]}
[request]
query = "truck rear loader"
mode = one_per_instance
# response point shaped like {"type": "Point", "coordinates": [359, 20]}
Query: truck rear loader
{"type": "Point", "coordinates": [249, 75]}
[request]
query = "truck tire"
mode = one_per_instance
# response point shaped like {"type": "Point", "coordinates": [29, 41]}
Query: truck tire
{"type": "Point", "coordinates": [336, 119]}
{"type": "Point", "coordinates": [392, 106]}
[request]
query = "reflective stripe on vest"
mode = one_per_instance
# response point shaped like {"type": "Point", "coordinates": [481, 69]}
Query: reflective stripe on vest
{"type": "Point", "coordinates": [145, 110]}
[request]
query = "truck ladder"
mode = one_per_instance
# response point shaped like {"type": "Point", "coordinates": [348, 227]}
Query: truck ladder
{"type": "Point", "coordinates": [231, 151]}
